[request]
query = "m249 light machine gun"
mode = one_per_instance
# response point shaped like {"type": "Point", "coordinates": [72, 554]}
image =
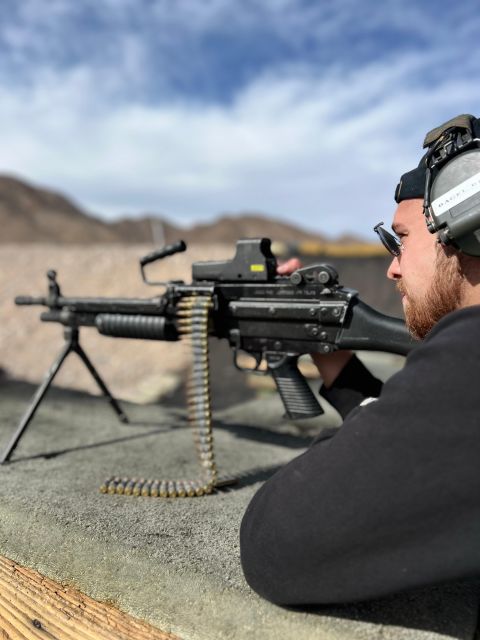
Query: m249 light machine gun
{"type": "Point", "coordinates": [273, 318]}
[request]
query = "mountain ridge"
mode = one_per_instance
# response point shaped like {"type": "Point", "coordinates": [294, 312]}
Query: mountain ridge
{"type": "Point", "coordinates": [30, 213]}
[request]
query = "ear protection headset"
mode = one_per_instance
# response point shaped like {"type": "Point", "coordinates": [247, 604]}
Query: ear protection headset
{"type": "Point", "coordinates": [448, 179]}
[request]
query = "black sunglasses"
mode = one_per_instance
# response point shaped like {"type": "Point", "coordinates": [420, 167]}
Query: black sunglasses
{"type": "Point", "coordinates": [391, 243]}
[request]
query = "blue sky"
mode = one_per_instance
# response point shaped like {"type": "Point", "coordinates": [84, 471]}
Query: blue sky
{"type": "Point", "coordinates": [306, 111]}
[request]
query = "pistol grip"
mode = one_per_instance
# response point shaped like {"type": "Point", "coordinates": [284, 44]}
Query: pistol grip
{"type": "Point", "coordinates": [296, 395]}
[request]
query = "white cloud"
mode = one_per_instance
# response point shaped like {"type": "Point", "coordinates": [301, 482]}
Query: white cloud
{"type": "Point", "coordinates": [282, 147]}
{"type": "Point", "coordinates": [320, 145]}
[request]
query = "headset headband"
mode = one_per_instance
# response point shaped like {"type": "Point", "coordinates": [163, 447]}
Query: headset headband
{"type": "Point", "coordinates": [412, 183]}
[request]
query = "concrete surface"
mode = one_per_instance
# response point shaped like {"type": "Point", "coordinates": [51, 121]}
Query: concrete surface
{"type": "Point", "coordinates": [175, 563]}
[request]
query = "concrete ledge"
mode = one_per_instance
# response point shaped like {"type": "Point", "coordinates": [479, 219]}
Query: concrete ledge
{"type": "Point", "coordinates": [174, 563]}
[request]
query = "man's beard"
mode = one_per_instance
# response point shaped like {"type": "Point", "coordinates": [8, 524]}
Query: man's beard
{"type": "Point", "coordinates": [444, 296]}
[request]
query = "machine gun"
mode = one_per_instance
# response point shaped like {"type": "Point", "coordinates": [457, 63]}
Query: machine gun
{"type": "Point", "coordinates": [273, 318]}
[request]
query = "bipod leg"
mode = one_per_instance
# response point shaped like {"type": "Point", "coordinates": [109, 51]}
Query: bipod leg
{"type": "Point", "coordinates": [37, 398]}
{"type": "Point", "coordinates": [96, 376]}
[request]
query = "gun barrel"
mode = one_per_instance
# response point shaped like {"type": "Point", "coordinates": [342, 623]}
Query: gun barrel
{"type": "Point", "coordinates": [111, 305]}
{"type": "Point", "coordinates": [26, 300]}
{"type": "Point", "coordinates": [97, 305]}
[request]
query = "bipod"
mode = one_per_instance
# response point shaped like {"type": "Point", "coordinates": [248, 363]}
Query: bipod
{"type": "Point", "coordinates": [72, 344]}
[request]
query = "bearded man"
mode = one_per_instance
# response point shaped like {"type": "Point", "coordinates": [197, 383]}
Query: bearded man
{"type": "Point", "coordinates": [391, 502]}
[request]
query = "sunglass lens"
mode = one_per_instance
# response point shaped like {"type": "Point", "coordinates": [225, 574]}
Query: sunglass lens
{"type": "Point", "coordinates": [388, 240]}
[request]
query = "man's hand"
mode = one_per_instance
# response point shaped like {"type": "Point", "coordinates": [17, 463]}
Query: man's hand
{"type": "Point", "coordinates": [288, 267]}
{"type": "Point", "coordinates": [329, 365]}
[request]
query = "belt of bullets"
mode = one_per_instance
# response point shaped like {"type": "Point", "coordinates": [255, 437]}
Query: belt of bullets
{"type": "Point", "coordinates": [193, 315]}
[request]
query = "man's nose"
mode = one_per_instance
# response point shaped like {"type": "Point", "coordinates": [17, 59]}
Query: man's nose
{"type": "Point", "coordinates": [393, 271]}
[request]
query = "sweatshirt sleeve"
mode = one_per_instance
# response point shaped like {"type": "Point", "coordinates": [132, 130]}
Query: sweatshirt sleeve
{"type": "Point", "coordinates": [351, 387]}
{"type": "Point", "coordinates": [389, 503]}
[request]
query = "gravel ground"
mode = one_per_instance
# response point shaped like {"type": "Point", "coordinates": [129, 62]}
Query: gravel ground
{"type": "Point", "coordinates": [175, 563]}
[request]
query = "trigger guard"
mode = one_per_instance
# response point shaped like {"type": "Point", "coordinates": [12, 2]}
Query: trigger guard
{"type": "Point", "coordinates": [258, 357]}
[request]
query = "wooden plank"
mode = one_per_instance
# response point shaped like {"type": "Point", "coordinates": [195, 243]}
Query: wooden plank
{"type": "Point", "coordinates": [33, 607]}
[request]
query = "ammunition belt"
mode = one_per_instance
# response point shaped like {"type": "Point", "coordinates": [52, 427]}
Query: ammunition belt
{"type": "Point", "coordinates": [193, 315]}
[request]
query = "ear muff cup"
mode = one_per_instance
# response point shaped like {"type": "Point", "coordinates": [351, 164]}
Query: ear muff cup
{"type": "Point", "coordinates": [455, 202]}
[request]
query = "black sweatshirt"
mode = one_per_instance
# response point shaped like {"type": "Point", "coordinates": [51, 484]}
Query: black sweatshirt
{"type": "Point", "coordinates": [392, 501]}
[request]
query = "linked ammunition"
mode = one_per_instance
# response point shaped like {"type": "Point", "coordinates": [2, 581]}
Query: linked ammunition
{"type": "Point", "coordinates": [205, 453]}
{"type": "Point", "coordinates": [146, 488]}
{"type": "Point", "coordinates": [200, 406]}
{"type": "Point", "coordinates": [137, 489]}
{"type": "Point", "coordinates": [120, 488]}
{"type": "Point", "coordinates": [193, 314]}
{"type": "Point", "coordinates": [200, 369]}
{"type": "Point", "coordinates": [181, 491]}
{"type": "Point", "coordinates": [163, 490]}
{"type": "Point", "coordinates": [112, 488]}
{"type": "Point", "coordinates": [192, 322]}
{"type": "Point", "coordinates": [202, 444]}
{"type": "Point", "coordinates": [197, 487]}
{"type": "Point", "coordinates": [189, 489]}
{"type": "Point", "coordinates": [128, 491]}
{"type": "Point", "coordinates": [194, 394]}
{"type": "Point", "coordinates": [104, 486]}
{"type": "Point", "coordinates": [207, 487]}
{"type": "Point", "coordinates": [197, 410]}
{"type": "Point", "coordinates": [199, 380]}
